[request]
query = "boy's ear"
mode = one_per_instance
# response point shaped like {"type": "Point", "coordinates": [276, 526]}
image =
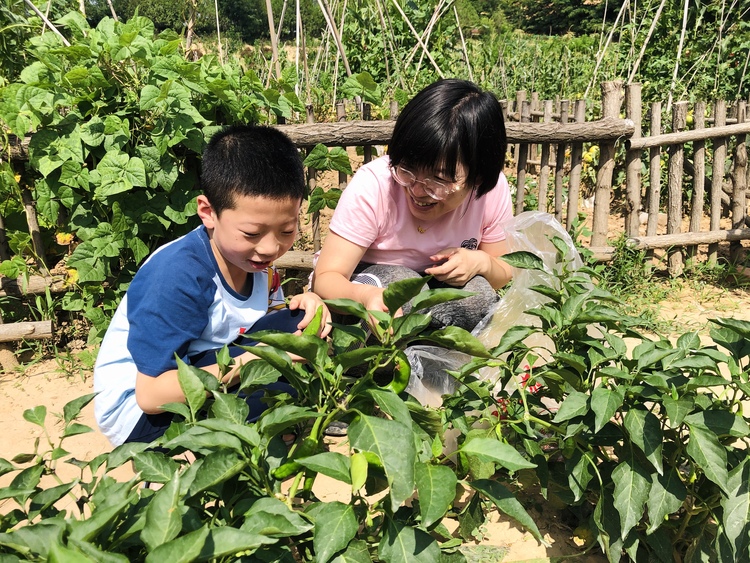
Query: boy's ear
{"type": "Point", "coordinates": [206, 211]}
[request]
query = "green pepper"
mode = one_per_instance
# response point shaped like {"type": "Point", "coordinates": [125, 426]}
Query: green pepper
{"type": "Point", "coordinates": [314, 327]}
{"type": "Point", "coordinates": [286, 470]}
{"type": "Point", "coordinates": [401, 373]}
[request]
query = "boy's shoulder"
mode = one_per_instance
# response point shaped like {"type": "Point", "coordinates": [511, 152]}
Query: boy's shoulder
{"type": "Point", "coordinates": [190, 255]}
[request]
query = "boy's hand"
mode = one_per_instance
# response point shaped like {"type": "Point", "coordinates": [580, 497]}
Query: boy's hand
{"type": "Point", "coordinates": [309, 303]}
{"type": "Point", "coordinates": [456, 266]}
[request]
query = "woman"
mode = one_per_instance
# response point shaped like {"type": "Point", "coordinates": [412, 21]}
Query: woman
{"type": "Point", "coordinates": [436, 204]}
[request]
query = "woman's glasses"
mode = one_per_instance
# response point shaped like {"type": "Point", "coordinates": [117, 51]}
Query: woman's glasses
{"type": "Point", "coordinates": [436, 189]}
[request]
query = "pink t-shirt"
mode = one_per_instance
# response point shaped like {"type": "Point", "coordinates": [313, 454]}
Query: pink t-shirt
{"type": "Point", "coordinates": [373, 213]}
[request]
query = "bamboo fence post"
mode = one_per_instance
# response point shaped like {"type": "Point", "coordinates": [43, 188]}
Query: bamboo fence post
{"type": "Point", "coordinates": [520, 99]}
{"type": "Point", "coordinates": [36, 234]}
{"type": "Point", "coordinates": [393, 106]}
{"type": "Point", "coordinates": [633, 162]}
{"type": "Point", "coordinates": [312, 182]}
{"type": "Point", "coordinates": [611, 99]}
{"type": "Point", "coordinates": [560, 164]}
{"type": "Point", "coordinates": [674, 188]}
{"type": "Point", "coordinates": [717, 177]}
{"type": "Point", "coordinates": [366, 149]}
{"type": "Point", "coordinates": [699, 177]}
{"type": "Point", "coordinates": [341, 116]}
{"type": "Point", "coordinates": [534, 148]}
{"type": "Point", "coordinates": [654, 173]}
{"type": "Point", "coordinates": [521, 163]}
{"type": "Point", "coordinates": [544, 165]}
{"type": "Point", "coordinates": [739, 181]}
{"type": "Point", "coordinates": [576, 159]}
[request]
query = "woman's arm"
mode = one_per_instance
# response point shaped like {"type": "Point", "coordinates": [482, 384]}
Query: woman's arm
{"type": "Point", "coordinates": [338, 259]}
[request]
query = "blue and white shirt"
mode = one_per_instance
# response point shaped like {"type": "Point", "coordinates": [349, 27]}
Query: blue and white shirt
{"type": "Point", "coordinates": [178, 302]}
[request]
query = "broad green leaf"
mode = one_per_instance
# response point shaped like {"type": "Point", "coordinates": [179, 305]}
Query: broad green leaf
{"type": "Point", "coordinates": [245, 432]}
{"type": "Point", "coordinates": [331, 464]}
{"type": "Point", "coordinates": [393, 443]}
{"type": "Point", "coordinates": [230, 407]}
{"type": "Point", "coordinates": [258, 373]}
{"type": "Point", "coordinates": [362, 85]}
{"type": "Point", "coordinates": [271, 517]}
{"type": "Point", "coordinates": [653, 358]}
{"type": "Point", "coordinates": [707, 452]}
{"type": "Point", "coordinates": [604, 403]}
{"type": "Point", "coordinates": [192, 386]}
{"type": "Point", "coordinates": [432, 297]}
{"type": "Point", "coordinates": [357, 552]}
{"type": "Point", "coordinates": [26, 480]}
{"type": "Point", "coordinates": [320, 199]}
{"type": "Point", "coordinates": [404, 544]}
{"type": "Point", "coordinates": [216, 468]}
{"type": "Point", "coordinates": [677, 409]}
{"type": "Point", "coordinates": [163, 515]}
{"type": "Point", "coordinates": [96, 554]}
{"type": "Point", "coordinates": [580, 470]}
{"type": "Point", "coordinates": [74, 429]}
{"type": "Point", "coordinates": [358, 470]}
{"type": "Point", "coordinates": [524, 260]}
{"type": "Point", "coordinates": [397, 294]}
{"type": "Point", "coordinates": [489, 449]}
{"type": "Point", "coordinates": [36, 415]}
{"type": "Point", "coordinates": [632, 486]}
{"type": "Point", "coordinates": [436, 486]}
{"type": "Point", "coordinates": [184, 549]}
{"type": "Point", "coordinates": [666, 497]}
{"type": "Point", "coordinates": [456, 338]}
{"type": "Point", "coordinates": [392, 405]}
{"type": "Point", "coordinates": [124, 453]}
{"type": "Point", "coordinates": [720, 422]}
{"type": "Point", "coordinates": [312, 348]}
{"type": "Point", "coordinates": [512, 337]}
{"type": "Point", "coordinates": [645, 432]}
{"type": "Point", "coordinates": [226, 541]}
{"type": "Point", "coordinates": [155, 467]}
{"type": "Point", "coordinates": [58, 553]}
{"type": "Point", "coordinates": [736, 515]}
{"type": "Point", "coordinates": [103, 516]}
{"type": "Point", "coordinates": [348, 307]}
{"type": "Point", "coordinates": [46, 498]}
{"type": "Point", "coordinates": [575, 404]}
{"type": "Point", "coordinates": [274, 421]}
{"type": "Point", "coordinates": [507, 504]}
{"type": "Point", "coordinates": [323, 158]}
{"type": "Point", "coordinates": [335, 526]}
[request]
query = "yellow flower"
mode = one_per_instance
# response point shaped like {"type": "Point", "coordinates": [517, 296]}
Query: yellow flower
{"type": "Point", "coordinates": [72, 276]}
{"type": "Point", "coordinates": [64, 239]}
{"type": "Point", "coordinates": [17, 177]}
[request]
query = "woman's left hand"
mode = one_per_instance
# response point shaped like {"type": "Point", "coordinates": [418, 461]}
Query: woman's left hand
{"type": "Point", "coordinates": [309, 303]}
{"type": "Point", "coordinates": [456, 266]}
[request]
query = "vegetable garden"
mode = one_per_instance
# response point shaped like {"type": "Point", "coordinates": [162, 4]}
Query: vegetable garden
{"type": "Point", "coordinates": [644, 438]}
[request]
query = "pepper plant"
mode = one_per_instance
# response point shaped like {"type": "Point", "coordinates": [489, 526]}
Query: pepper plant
{"type": "Point", "coordinates": [641, 438]}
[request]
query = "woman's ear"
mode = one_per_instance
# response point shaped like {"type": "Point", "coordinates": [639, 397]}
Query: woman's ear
{"type": "Point", "coordinates": [206, 211]}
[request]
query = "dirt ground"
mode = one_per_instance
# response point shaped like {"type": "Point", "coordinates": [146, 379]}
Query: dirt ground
{"type": "Point", "coordinates": [45, 383]}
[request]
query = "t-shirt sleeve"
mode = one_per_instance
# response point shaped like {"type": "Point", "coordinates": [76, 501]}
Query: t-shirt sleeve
{"type": "Point", "coordinates": [498, 211]}
{"type": "Point", "coordinates": [358, 209]}
{"type": "Point", "coordinates": [167, 310]}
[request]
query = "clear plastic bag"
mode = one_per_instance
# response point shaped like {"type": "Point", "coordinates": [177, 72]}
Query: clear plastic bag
{"type": "Point", "coordinates": [430, 379]}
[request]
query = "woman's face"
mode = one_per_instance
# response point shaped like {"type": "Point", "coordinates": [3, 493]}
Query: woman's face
{"type": "Point", "coordinates": [422, 205]}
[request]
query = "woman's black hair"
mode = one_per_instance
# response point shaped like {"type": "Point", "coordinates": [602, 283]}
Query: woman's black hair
{"type": "Point", "coordinates": [248, 160]}
{"type": "Point", "coordinates": [448, 122]}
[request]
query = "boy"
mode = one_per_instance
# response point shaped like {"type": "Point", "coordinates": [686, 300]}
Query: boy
{"type": "Point", "coordinates": [205, 289]}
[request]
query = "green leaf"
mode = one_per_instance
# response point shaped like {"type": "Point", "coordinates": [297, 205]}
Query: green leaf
{"type": "Point", "coordinates": [392, 405]}
{"type": "Point", "coordinates": [226, 541]}
{"type": "Point", "coordinates": [575, 404]}
{"type": "Point", "coordinates": [678, 409]}
{"type": "Point", "coordinates": [74, 429]}
{"type": "Point", "coordinates": [666, 497]}
{"type": "Point", "coordinates": [512, 337]}
{"type": "Point", "coordinates": [331, 464]}
{"type": "Point", "coordinates": [258, 373]}
{"type": "Point", "coordinates": [524, 260]}
{"type": "Point", "coordinates": [73, 408]}
{"type": "Point", "coordinates": [58, 553]}
{"type": "Point", "coordinates": [436, 486]}
{"type": "Point", "coordinates": [320, 199]}
{"type": "Point", "coordinates": [322, 158]}
{"type": "Point", "coordinates": [335, 526]}
{"type": "Point", "coordinates": [230, 407]}
{"type": "Point", "coordinates": [404, 544]}
{"type": "Point", "coordinates": [216, 468]}
{"type": "Point", "coordinates": [432, 297]}
{"type": "Point", "coordinates": [736, 516]}
{"type": "Point", "coordinates": [155, 467]}
{"type": "Point", "coordinates": [604, 403]}
{"type": "Point", "coordinates": [632, 486]}
{"type": "Point", "coordinates": [707, 452]}
{"type": "Point", "coordinates": [357, 552]}
{"type": "Point", "coordinates": [720, 422]}
{"type": "Point", "coordinates": [274, 421]}
{"type": "Point", "coordinates": [184, 549]}
{"type": "Point", "coordinates": [645, 432]}
{"type": "Point", "coordinates": [456, 338]}
{"type": "Point", "coordinates": [163, 516]}
{"type": "Point", "coordinates": [192, 386]}
{"type": "Point", "coordinates": [508, 504]}
{"type": "Point", "coordinates": [580, 470]}
{"type": "Point", "coordinates": [245, 432]}
{"type": "Point", "coordinates": [398, 293]}
{"type": "Point", "coordinates": [271, 517]}
{"type": "Point", "coordinates": [393, 443]}
{"type": "Point", "coordinates": [36, 415]}
{"type": "Point", "coordinates": [490, 449]}
{"type": "Point", "coordinates": [312, 348]}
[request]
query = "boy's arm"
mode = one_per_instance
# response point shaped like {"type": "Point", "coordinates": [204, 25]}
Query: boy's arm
{"type": "Point", "coordinates": [152, 393]}
{"type": "Point", "coordinates": [337, 261]}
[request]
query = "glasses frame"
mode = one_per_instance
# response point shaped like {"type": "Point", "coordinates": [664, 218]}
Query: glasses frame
{"type": "Point", "coordinates": [436, 189]}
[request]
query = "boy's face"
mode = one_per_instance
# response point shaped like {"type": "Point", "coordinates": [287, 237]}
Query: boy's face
{"type": "Point", "coordinates": [251, 236]}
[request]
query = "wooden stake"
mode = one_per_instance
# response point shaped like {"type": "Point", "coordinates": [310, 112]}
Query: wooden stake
{"type": "Point", "coordinates": [699, 177]}
{"type": "Point", "coordinates": [633, 162]}
{"type": "Point", "coordinates": [674, 189]}
{"type": "Point", "coordinates": [611, 100]}
{"type": "Point", "coordinates": [717, 181]}
{"type": "Point", "coordinates": [576, 160]}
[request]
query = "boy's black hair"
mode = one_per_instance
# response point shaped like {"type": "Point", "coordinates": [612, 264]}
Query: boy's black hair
{"type": "Point", "coordinates": [452, 121]}
{"type": "Point", "coordinates": [252, 161]}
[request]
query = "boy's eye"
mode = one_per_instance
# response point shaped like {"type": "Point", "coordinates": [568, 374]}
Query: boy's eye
{"type": "Point", "coordinates": [288, 233]}
{"type": "Point", "coordinates": [250, 235]}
